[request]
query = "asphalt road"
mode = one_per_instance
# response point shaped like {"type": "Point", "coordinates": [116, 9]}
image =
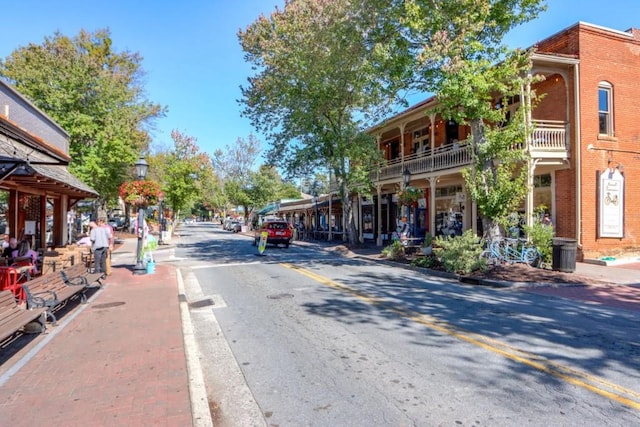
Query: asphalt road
{"type": "Point", "coordinates": [305, 337]}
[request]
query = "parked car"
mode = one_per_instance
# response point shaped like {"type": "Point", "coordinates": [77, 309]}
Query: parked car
{"type": "Point", "coordinates": [117, 223]}
{"type": "Point", "coordinates": [235, 226]}
{"type": "Point", "coordinates": [279, 232]}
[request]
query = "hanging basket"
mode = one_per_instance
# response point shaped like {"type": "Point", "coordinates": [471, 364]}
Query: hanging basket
{"type": "Point", "coordinates": [410, 196]}
{"type": "Point", "coordinates": [140, 194]}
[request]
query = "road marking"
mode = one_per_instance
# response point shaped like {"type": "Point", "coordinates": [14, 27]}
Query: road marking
{"type": "Point", "coordinates": [231, 264]}
{"type": "Point", "coordinates": [584, 380]}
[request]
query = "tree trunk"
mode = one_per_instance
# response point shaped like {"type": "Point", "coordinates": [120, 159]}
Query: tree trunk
{"type": "Point", "coordinates": [347, 212]}
{"type": "Point", "coordinates": [490, 229]}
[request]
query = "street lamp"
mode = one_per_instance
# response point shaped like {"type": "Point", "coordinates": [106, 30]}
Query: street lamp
{"type": "Point", "coordinates": [141, 171]}
{"type": "Point", "coordinates": [161, 219]}
{"type": "Point", "coordinates": [315, 225]}
{"type": "Point", "coordinates": [406, 178]}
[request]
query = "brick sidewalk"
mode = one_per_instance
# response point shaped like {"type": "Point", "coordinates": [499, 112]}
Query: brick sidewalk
{"type": "Point", "coordinates": [119, 361]}
{"type": "Point", "coordinates": [626, 297]}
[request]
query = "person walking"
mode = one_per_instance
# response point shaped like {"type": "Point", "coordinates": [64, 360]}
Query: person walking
{"type": "Point", "coordinates": [102, 222]}
{"type": "Point", "coordinates": [99, 244]}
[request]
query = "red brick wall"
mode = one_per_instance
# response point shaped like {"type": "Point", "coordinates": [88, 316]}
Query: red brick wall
{"type": "Point", "coordinates": [614, 58]}
{"type": "Point", "coordinates": [553, 102]}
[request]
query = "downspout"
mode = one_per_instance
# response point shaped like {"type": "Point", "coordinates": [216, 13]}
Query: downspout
{"type": "Point", "coordinates": [577, 149]}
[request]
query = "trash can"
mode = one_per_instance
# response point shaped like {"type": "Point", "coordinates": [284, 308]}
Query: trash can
{"type": "Point", "coordinates": [151, 267]}
{"type": "Point", "coordinates": [564, 254]}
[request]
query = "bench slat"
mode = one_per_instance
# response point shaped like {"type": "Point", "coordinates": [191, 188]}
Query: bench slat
{"type": "Point", "coordinates": [13, 317]}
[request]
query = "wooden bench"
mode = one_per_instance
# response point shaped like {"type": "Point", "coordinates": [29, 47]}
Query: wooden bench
{"type": "Point", "coordinates": [51, 292]}
{"type": "Point", "coordinates": [79, 275]}
{"type": "Point", "coordinates": [13, 317]}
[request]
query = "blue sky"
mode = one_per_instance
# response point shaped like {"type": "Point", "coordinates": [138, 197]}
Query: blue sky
{"type": "Point", "coordinates": [194, 62]}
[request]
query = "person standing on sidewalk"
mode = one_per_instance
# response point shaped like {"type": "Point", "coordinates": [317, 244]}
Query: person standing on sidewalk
{"type": "Point", "coordinates": [99, 244]}
{"type": "Point", "coordinates": [102, 222]}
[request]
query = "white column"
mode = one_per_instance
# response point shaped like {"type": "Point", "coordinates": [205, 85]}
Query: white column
{"type": "Point", "coordinates": [379, 216]}
{"type": "Point", "coordinates": [433, 181]}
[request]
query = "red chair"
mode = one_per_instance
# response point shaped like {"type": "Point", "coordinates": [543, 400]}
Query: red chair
{"type": "Point", "coordinates": [11, 279]}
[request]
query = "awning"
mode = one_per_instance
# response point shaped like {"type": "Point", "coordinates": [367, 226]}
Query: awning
{"type": "Point", "coordinates": [269, 209]}
{"type": "Point", "coordinates": [51, 178]}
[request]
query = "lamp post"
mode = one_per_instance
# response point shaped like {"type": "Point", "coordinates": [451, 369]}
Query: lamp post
{"type": "Point", "coordinates": [406, 178]}
{"type": "Point", "coordinates": [161, 219]}
{"type": "Point", "coordinates": [315, 225]}
{"type": "Point", "coordinates": [141, 171]}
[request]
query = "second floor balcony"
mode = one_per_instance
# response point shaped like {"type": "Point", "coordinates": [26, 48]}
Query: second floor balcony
{"type": "Point", "coordinates": [548, 141]}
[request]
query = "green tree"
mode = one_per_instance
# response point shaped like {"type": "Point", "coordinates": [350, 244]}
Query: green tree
{"type": "Point", "coordinates": [234, 165]}
{"type": "Point", "coordinates": [96, 95]}
{"type": "Point", "coordinates": [266, 186]}
{"type": "Point", "coordinates": [185, 169]}
{"type": "Point", "coordinates": [320, 78]}
{"type": "Point", "coordinates": [236, 194]}
{"type": "Point", "coordinates": [460, 56]}
{"type": "Point", "coordinates": [212, 197]}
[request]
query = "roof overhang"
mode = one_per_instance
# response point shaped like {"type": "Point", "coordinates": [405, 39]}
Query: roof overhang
{"type": "Point", "coordinates": [42, 178]}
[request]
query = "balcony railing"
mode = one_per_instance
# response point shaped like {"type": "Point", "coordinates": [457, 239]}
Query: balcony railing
{"type": "Point", "coordinates": [547, 140]}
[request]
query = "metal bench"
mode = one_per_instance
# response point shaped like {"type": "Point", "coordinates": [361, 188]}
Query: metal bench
{"type": "Point", "coordinates": [13, 317]}
{"type": "Point", "coordinates": [79, 275]}
{"type": "Point", "coordinates": [51, 292]}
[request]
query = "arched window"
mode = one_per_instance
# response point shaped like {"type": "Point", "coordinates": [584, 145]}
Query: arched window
{"type": "Point", "coordinates": [605, 108]}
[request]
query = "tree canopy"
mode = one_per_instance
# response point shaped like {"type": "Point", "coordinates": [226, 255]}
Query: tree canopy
{"type": "Point", "coordinates": [326, 67]}
{"type": "Point", "coordinates": [96, 95]}
{"type": "Point", "coordinates": [460, 56]}
{"type": "Point", "coordinates": [186, 171]}
{"type": "Point", "coordinates": [320, 79]}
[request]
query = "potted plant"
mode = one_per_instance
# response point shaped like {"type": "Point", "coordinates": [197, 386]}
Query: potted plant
{"type": "Point", "coordinates": [427, 249]}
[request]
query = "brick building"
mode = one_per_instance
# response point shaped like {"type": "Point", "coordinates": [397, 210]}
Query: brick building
{"type": "Point", "coordinates": [585, 150]}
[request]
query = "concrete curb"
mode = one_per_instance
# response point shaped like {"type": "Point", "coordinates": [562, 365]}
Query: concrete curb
{"type": "Point", "coordinates": [197, 390]}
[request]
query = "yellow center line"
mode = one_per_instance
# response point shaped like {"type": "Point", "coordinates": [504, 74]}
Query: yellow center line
{"type": "Point", "coordinates": [584, 380]}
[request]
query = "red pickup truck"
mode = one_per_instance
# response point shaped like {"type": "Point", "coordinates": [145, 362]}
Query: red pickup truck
{"type": "Point", "coordinates": [278, 232]}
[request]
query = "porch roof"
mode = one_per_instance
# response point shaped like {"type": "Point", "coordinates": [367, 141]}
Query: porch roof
{"type": "Point", "coordinates": [51, 179]}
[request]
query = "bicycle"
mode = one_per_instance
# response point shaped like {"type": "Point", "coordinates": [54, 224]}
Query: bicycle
{"type": "Point", "coordinates": [513, 251]}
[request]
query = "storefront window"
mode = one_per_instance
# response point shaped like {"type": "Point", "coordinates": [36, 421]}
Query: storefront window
{"type": "Point", "coordinates": [448, 212]}
{"type": "Point", "coordinates": [542, 191]}
{"type": "Point", "coordinates": [367, 219]}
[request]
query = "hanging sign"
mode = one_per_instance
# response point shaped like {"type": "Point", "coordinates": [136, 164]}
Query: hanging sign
{"type": "Point", "coordinates": [611, 207]}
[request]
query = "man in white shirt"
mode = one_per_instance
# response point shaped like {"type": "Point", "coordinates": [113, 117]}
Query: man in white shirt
{"type": "Point", "coordinates": [100, 245]}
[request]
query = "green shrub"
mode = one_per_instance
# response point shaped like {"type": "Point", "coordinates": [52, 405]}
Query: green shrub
{"type": "Point", "coordinates": [429, 261]}
{"type": "Point", "coordinates": [394, 251]}
{"type": "Point", "coordinates": [460, 254]}
{"type": "Point", "coordinates": [541, 236]}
